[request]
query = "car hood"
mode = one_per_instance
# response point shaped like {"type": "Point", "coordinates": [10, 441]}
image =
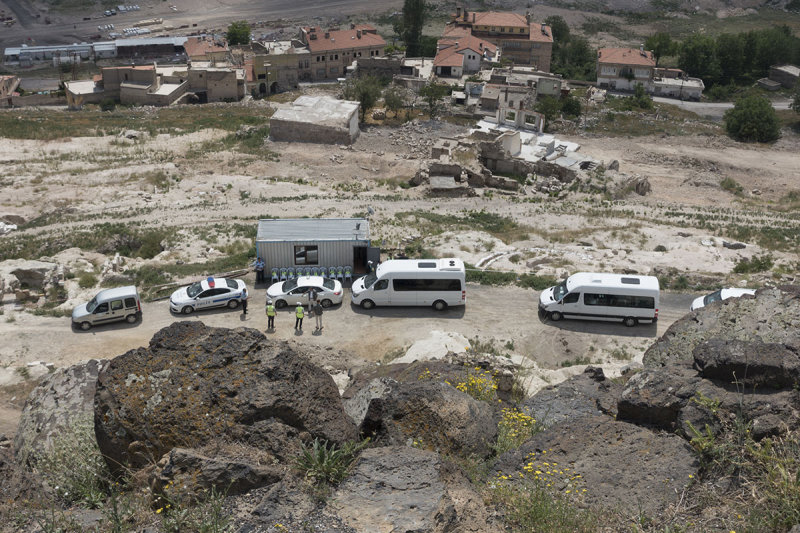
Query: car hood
{"type": "Point", "coordinates": [274, 290]}
{"type": "Point", "coordinates": [180, 295]}
{"type": "Point", "coordinates": [697, 303]}
{"type": "Point", "coordinates": [546, 297]}
{"type": "Point", "coordinates": [80, 312]}
{"type": "Point", "coordinates": [358, 286]}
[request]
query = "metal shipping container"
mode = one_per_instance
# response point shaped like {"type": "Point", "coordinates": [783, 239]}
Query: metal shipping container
{"type": "Point", "coordinates": [315, 242]}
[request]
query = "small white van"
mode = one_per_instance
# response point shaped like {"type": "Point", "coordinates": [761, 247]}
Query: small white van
{"type": "Point", "coordinates": [110, 305]}
{"type": "Point", "coordinates": [611, 297]}
{"type": "Point", "coordinates": [439, 283]}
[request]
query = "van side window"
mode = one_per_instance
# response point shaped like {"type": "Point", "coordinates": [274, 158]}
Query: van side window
{"type": "Point", "coordinates": [572, 298]}
{"type": "Point", "coordinates": [381, 285]}
{"type": "Point", "coordinates": [102, 308]}
{"type": "Point", "coordinates": [130, 302]}
{"type": "Point", "coordinates": [619, 300]}
{"type": "Point", "coordinates": [116, 305]}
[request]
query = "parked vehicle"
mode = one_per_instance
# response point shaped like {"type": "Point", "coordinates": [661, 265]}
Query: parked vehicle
{"type": "Point", "coordinates": [611, 297]}
{"type": "Point", "coordinates": [283, 293]}
{"type": "Point", "coordinates": [722, 294]}
{"type": "Point", "coordinates": [436, 282]}
{"type": "Point", "coordinates": [110, 305]}
{"type": "Point", "coordinates": [206, 294]}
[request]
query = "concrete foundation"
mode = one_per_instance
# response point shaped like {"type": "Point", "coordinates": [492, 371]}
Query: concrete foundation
{"type": "Point", "coordinates": [316, 119]}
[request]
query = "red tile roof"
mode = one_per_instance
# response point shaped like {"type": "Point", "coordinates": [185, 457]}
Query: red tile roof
{"type": "Point", "coordinates": [344, 39]}
{"type": "Point", "coordinates": [539, 36]}
{"type": "Point", "coordinates": [626, 56]}
{"type": "Point", "coordinates": [197, 46]}
{"type": "Point", "coordinates": [449, 57]}
{"type": "Point", "coordinates": [450, 48]}
{"type": "Point", "coordinates": [498, 18]}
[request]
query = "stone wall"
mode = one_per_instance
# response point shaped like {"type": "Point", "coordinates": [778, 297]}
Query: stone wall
{"type": "Point", "coordinates": [291, 131]}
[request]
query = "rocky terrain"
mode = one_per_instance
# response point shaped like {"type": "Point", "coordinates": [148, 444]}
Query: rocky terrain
{"type": "Point", "coordinates": [451, 444]}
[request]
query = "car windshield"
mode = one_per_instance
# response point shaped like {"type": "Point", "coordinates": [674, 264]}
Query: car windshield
{"type": "Point", "coordinates": [559, 291]}
{"type": "Point", "coordinates": [289, 285]}
{"type": "Point", "coordinates": [92, 305]}
{"type": "Point", "coordinates": [329, 284]}
{"type": "Point", "coordinates": [713, 297]}
{"type": "Point", "coordinates": [369, 279]}
{"type": "Point", "coordinates": [194, 289]}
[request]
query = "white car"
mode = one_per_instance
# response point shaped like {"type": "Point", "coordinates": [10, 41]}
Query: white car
{"type": "Point", "coordinates": [722, 294]}
{"type": "Point", "coordinates": [211, 292]}
{"type": "Point", "coordinates": [283, 293]}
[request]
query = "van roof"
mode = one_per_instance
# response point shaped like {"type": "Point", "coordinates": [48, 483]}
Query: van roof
{"type": "Point", "coordinates": [117, 292]}
{"type": "Point", "coordinates": [621, 281]}
{"type": "Point", "coordinates": [449, 264]}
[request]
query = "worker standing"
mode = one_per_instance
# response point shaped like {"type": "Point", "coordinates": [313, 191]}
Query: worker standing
{"type": "Point", "coordinates": [244, 301]}
{"type": "Point", "coordinates": [299, 313]}
{"type": "Point", "coordinates": [258, 266]}
{"type": "Point", "coordinates": [318, 315]}
{"type": "Point", "coordinates": [270, 316]}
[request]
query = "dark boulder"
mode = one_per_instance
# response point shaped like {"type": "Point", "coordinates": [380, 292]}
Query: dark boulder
{"type": "Point", "coordinates": [195, 383]}
{"type": "Point", "coordinates": [587, 394]}
{"type": "Point", "coordinates": [750, 364]}
{"type": "Point", "coordinates": [433, 415]}
{"type": "Point", "coordinates": [620, 465]}
{"type": "Point", "coordinates": [61, 400]}
{"type": "Point", "coordinates": [398, 488]}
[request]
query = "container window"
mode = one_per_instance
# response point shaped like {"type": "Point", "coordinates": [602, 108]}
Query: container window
{"type": "Point", "coordinates": [306, 255]}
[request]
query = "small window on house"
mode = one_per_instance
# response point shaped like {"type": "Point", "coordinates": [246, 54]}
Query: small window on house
{"type": "Point", "coordinates": [336, 56]}
{"type": "Point", "coordinates": [306, 255]}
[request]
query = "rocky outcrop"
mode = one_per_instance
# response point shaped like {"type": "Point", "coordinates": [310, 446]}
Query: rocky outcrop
{"type": "Point", "coordinates": [587, 394]}
{"type": "Point", "coordinates": [196, 472]}
{"type": "Point", "coordinates": [398, 488]}
{"type": "Point", "coordinates": [773, 316]}
{"type": "Point", "coordinates": [62, 399]}
{"type": "Point", "coordinates": [750, 364]}
{"type": "Point", "coordinates": [431, 414]}
{"type": "Point", "coordinates": [194, 383]}
{"type": "Point", "coordinates": [620, 465]}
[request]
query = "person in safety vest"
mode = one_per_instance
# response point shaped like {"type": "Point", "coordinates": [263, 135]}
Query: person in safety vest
{"type": "Point", "coordinates": [299, 313]}
{"type": "Point", "coordinates": [270, 315]}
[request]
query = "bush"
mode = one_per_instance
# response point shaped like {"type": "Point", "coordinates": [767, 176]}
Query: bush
{"type": "Point", "coordinates": [326, 463]}
{"type": "Point", "coordinates": [514, 429]}
{"type": "Point", "coordinates": [87, 280]}
{"type": "Point", "coordinates": [752, 119]}
{"type": "Point", "coordinates": [571, 107]}
{"type": "Point", "coordinates": [108, 105]}
{"type": "Point", "coordinates": [480, 384]}
{"type": "Point", "coordinates": [754, 264]}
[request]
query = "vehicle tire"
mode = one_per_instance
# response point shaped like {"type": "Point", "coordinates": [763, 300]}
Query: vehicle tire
{"type": "Point", "coordinates": [555, 316]}
{"type": "Point", "coordinates": [367, 304]}
{"type": "Point", "coordinates": [85, 326]}
{"type": "Point", "coordinates": [130, 319]}
{"type": "Point", "coordinates": [326, 303]}
{"type": "Point", "coordinates": [280, 304]}
{"type": "Point", "coordinates": [630, 321]}
{"type": "Point", "coordinates": [440, 305]}
{"type": "Point", "coordinates": [233, 304]}
{"type": "Point", "coordinates": [188, 310]}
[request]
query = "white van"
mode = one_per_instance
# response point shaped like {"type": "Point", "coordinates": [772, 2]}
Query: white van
{"type": "Point", "coordinates": [590, 296]}
{"type": "Point", "coordinates": [110, 305]}
{"type": "Point", "coordinates": [436, 282]}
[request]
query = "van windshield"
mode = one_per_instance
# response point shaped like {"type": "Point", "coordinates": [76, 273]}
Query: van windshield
{"type": "Point", "coordinates": [369, 280]}
{"type": "Point", "coordinates": [713, 297]}
{"type": "Point", "coordinates": [92, 305]}
{"type": "Point", "coordinates": [559, 291]}
{"type": "Point", "coordinates": [194, 289]}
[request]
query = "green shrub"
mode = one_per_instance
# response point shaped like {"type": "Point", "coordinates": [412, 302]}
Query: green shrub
{"type": "Point", "coordinates": [108, 105]}
{"type": "Point", "coordinates": [754, 264]}
{"type": "Point", "coordinates": [530, 506]}
{"type": "Point", "coordinates": [325, 463]}
{"type": "Point", "coordinates": [87, 280]}
{"type": "Point", "coordinates": [732, 186]}
{"type": "Point", "coordinates": [752, 119]}
{"type": "Point", "coordinates": [480, 384]}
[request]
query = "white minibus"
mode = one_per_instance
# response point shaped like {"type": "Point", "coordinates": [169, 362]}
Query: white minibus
{"type": "Point", "coordinates": [436, 282]}
{"type": "Point", "coordinates": [591, 296]}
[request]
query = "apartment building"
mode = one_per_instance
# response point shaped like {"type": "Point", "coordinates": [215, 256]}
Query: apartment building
{"type": "Point", "coordinates": [520, 39]}
{"type": "Point", "coordinates": [280, 65]}
{"type": "Point", "coordinates": [333, 50]}
{"type": "Point", "coordinates": [624, 68]}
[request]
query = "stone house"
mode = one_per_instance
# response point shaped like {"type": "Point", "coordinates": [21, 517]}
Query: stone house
{"type": "Point", "coordinates": [277, 65]}
{"type": "Point", "coordinates": [333, 50]}
{"type": "Point", "coordinates": [462, 54]}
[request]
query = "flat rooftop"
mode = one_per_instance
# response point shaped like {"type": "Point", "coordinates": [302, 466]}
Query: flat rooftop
{"type": "Point", "coordinates": [83, 87]}
{"type": "Point", "coordinates": [318, 110]}
{"type": "Point", "coordinates": [168, 88]}
{"type": "Point", "coordinates": [312, 229]}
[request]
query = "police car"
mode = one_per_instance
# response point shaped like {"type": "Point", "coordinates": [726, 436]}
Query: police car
{"type": "Point", "coordinates": [208, 293]}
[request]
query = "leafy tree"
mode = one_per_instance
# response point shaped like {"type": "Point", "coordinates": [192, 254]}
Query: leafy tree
{"type": "Point", "coordinates": [571, 106]}
{"type": "Point", "coordinates": [641, 99]}
{"type": "Point", "coordinates": [393, 98]}
{"type": "Point", "coordinates": [428, 46]}
{"type": "Point", "coordinates": [409, 27]}
{"type": "Point", "coordinates": [698, 57]}
{"type": "Point", "coordinates": [731, 57]}
{"type": "Point", "coordinates": [238, 33]}
{"type": "Point", "coordinates": [661, 44]}
{"type": "Point", "coordinates": [796, 99]}
{"type": "Point", "coordinates": [559, 28]}
{"type": "Point", "coordinates": [575, 59]}
{"type": "Point", "coordinates": [752, 118]}
{"type": "Point", "coordinates": [432, 93]}
{"type": "Point", "coordinates": [549, 107]}
{"type": "Point", "coordinates": [365, 91]}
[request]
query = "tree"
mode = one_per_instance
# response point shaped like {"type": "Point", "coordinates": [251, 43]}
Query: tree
{"type": "Point", "coordinates": [393, 98]}
{"type": "Point", "coordinates": [409, 27]}
{"type": "Point", "coordinates": [571, 106]}
{"type": "Point", "coordinates": [549, 107]}
{"type": "Point", "coordinates": [432, 93]}
{"type": "Point", "coordinates": [365, 91]}
{"type": "Point", "coordinates": [751, 119]}
{"type": "Point", "coordinates": [559, 28]}
{"type": "Point", "coordinates": [796, 99]}
{"type": "Point", "coordinates": [698, 57]}
{"type": "Point", "coordinates": [661, 44]}
{"type": "Point", "coordinates": [238, 32]}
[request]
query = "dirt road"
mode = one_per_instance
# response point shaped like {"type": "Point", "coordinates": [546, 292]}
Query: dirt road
{"type": "Point", "coordinates": [712, 110]}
